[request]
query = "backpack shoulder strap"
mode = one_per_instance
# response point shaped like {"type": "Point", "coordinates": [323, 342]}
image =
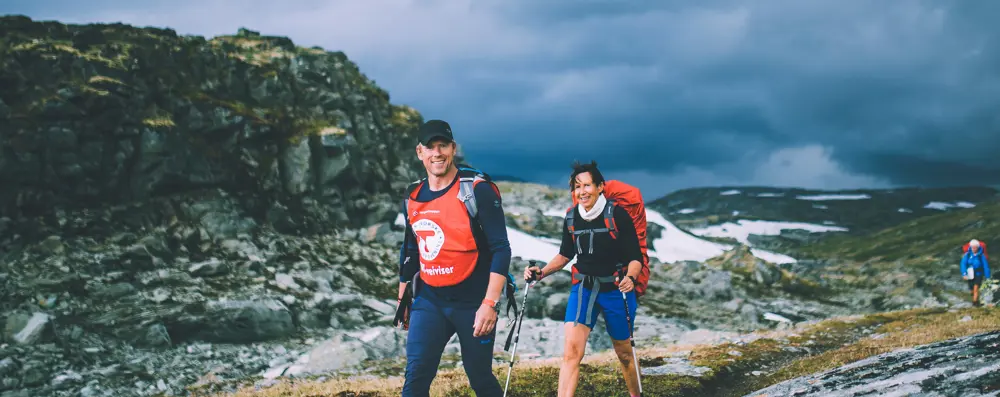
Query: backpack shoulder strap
{"type": "Point", "coordinates": [411, 190]}
{"type": "Point", "coordinates": [609, 218]}
{"type": "Point", "coordinates": [570, 213]}
{"type": "Point", "coordinates": [468, 179]}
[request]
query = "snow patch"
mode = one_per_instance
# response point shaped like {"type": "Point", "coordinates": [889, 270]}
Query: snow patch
{"type": "Point", "coordinates": [529, 247]}
{"type": "Point", "coordinates": [676, 245]}
{"type": "Point", "coordinates": [729, 192]}
{"type": "Point", "coordinates": [905, 210]}
{"type": "Point", "coordinates": [770, 195]}
{"type": "Point", "coordinates": [772, 257]}
{"type": "Point", "coordinates": [745, 228]}
{"type": "Point", "coordinates": [822, 197]}
{"type": "Point", "coordinates": [686, 211]}
{"type": "Point", "coordinates": [938, 205]}
{"type": "Point", "coordinates": [820, 207]}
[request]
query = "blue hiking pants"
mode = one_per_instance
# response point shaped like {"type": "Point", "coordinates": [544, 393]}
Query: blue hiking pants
{"type": "Point", "coordinates": [431, 326]}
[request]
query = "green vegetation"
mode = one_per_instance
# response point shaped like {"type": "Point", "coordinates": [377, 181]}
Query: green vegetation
{"type": "Point", "coordinates": [938, 236]}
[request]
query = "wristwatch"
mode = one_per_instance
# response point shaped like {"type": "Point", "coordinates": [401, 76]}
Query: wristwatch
{"type": "Point", "coordinates": [491, 303]}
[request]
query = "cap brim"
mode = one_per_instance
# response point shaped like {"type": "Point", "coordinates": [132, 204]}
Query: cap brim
{"type": "Point", "coordinates": [427, 139]}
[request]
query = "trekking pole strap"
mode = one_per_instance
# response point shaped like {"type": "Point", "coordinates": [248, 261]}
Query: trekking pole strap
{"type": "Point", "coordinates": [515, 332]}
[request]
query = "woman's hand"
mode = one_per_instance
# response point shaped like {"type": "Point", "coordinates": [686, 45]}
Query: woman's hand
{"type": "Point", "coordinates": [532, 273]}
{"type": "Point", "coordinates": [626, 285]}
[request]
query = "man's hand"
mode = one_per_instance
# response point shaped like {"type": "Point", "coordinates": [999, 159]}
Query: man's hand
{"type": "Point", "coordinates": [486, 319]}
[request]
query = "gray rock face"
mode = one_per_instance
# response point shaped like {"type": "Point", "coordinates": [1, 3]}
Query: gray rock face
{"type": "Point", "coordinates": [960, 367]}
{"type": "Point", "coordinates": [245, 321]}
{"type": "Point", "coordinates": [299, 134]}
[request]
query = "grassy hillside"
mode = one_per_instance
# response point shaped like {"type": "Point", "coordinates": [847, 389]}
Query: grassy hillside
{"type": "Point", "coordinates": [938, 236]}
{"type": "Point", "coordinates": [725, 370]}
{"type": "Point", "coordinates": [902, 265]}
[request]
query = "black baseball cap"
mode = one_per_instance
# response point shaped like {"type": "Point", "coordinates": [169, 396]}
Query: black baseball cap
{"type": "Point", "coordinates": [435, 129]}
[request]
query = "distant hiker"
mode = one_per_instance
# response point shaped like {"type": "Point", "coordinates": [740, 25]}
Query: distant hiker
{"type": "Point", "coordinates": [453, 267]}
{"type": "Point", "coordinates": [594, 292]}
{"type": "Point", "coordinates": [975, 267]}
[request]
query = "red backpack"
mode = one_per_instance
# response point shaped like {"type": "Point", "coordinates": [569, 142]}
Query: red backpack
{"type": "Point", "coordinates": [620, 194]}
{"type": "Point", "coordinates": [982, 245]}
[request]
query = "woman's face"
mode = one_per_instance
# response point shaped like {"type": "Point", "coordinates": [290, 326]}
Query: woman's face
{"type": "Point", "coordinates": [585, 190]}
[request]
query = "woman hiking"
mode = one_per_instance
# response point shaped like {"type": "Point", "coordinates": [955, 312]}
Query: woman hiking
{"type": "Point", "coordinates": [975, 268]}
{"type": "Point", "coordinates": [599, 258]}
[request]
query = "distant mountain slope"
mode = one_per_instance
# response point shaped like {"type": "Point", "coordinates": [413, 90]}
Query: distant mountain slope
{"type": "Point", "coordinates": [939, 236]}
{"type": "Point", "coordinates": [906, 264]}
{"type": "Point", "coordinates": [859, 211]}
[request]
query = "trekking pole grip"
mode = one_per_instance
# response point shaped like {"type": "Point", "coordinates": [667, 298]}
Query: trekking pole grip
{"type": "Point", "coordinates": [534, 263]}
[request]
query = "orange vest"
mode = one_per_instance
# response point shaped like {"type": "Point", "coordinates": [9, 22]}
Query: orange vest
{"type": "Point", "coordinates": [448, 251]}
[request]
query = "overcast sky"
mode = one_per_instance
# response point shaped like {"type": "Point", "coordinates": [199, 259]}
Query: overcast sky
{"type": "Point", "coordinates": [828, 94]}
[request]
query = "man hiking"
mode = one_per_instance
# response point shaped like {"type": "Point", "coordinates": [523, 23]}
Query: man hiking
{"type": "Point", "coordinates": [602, 260]}
{"type": "Point", "coordinates": [975, 268]}
{"type": "Point", "coordinates": [452, 264]}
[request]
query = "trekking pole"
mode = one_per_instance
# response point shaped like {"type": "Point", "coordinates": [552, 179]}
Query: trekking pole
{"type": "Point", "coordinates": [517, 332]}
{"type": "Point", "coordinates": [631, 336]}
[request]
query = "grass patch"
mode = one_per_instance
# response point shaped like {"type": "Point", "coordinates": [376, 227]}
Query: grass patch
{"type": "Point", "coordinates": [155, 122]}
{"type": "Point", "coordinates": [104, 80]}
{"type": "Point", "coordinates": [779, 355]}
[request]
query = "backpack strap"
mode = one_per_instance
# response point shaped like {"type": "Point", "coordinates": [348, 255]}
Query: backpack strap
{"type": "Point", "coordinates": [466, 194]}
{"type": "Point", "coordinates": [468, 178]}
{"type": "Point", "coordinates": [609, 226]}
{"type": "Point", "coordinates": [411, 191]}
{"type": "Point", "coordinates": [609, 218]}
{"type": "Point", "coordinates": [570, 213]}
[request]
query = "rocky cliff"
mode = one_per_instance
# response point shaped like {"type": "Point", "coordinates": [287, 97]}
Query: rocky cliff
{"type": "Point", "coordinates": [179, 210]}
{"type": "Point", "coordinates": [249, 128]}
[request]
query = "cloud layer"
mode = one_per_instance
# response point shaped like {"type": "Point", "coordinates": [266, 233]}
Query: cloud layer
{"type": "Point", "coordinates": [822, 94]}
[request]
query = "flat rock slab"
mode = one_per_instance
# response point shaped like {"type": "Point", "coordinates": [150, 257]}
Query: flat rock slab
{"type": "Point", "coordinates": [967, 366]}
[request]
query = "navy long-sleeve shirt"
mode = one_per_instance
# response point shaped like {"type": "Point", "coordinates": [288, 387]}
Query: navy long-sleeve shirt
{"type": "Point", "coordinates": [494, 248]}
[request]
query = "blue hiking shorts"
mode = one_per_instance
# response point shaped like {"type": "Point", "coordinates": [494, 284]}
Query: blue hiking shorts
{"type": "Point", "coordinates": [610, 304]}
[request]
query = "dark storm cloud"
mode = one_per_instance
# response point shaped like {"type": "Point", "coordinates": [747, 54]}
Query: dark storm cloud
{"type": "Point", "coordinates": [826, 94]}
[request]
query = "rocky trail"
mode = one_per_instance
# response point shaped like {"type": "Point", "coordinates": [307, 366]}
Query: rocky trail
{"type": "Point", "coordinates": [968, 366]}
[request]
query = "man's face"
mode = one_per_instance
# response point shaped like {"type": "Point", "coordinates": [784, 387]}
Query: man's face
{"type": "Point", "coordinates": [437, 156]}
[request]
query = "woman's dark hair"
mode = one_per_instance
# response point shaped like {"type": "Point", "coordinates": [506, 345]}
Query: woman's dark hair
{"type": "Point", "coordinates": [579, 168]}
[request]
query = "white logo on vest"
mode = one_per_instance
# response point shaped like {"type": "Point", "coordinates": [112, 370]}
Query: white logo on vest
{"type": "Point", "coordinates": [430, 238]}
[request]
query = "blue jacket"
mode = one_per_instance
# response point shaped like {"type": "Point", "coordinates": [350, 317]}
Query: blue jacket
{"type": "Point", "coordinates": [977, 261]}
